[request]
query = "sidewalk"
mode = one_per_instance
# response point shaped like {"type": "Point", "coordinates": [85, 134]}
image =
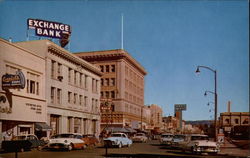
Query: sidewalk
{"type": "Point", "coordinates": [232, 150]}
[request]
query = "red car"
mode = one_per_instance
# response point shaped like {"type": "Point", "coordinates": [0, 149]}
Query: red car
{"type": "Point", "coordinates": [89, 140]}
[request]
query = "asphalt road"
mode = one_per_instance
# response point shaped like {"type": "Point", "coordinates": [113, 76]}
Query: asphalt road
{"type": "Point", "coordinates": [151, 149]}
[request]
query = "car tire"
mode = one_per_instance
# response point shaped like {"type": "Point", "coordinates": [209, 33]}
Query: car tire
{"type": "Point", "coordinates": [120, 145]}
{"type": "Point", "coordinates": [70, 147]}
{"type": "Point", "coordinates": [39, 148]}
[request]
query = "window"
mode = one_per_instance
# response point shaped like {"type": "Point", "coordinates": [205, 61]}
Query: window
{"type": "Point", "coordinates": [93, 105]}
{"type": "Point", "coordinates": [69, 97]}
{"type": "Point", "coordinates": [107, 94]}
{"type": "Point", "coordinates": [53, 67]}
{"type": "Point", "coordinates": [112, 68]}
{"type": "Point", "coordinates": [101, 67]}
{"type": "Point", "coordinates": [52, 95]}
{"type": "Point", "coordinates": [106, 82]}
{"type": "Point", "coordinates": [102, 82]}
{"type": "Point", "coordinates": [227, 121]}
{"type": "Point", "coordinates": [112, 94]}
{"type": "Point", "coordinates": [37, 88]}
{"type": "Point", "coordinates": [75, 98]}
{"type": "Point", "coordinates": [107, 68]}
{"type": "Point", "coordinates": [236, 121]}
{"type": "Point", "coordinates": [59, 69]}
{"type": "Point", "coordinates": [75, 77]}
{"type": "Point", "coordinates": [85, 101]}
{"type": "Point", "coordinates": [86, 81]}
{"type": "Point", "coordinates": [69, 75]}
{"type": "Point", "coordinates": [80, 80]}
{"type": "Point", "coordinates": [81, 100]}
{"type": "Point", "coordinates": [32, 87]}
{"type": "Point", "coordinates": [59, 93]}
{"type": "Point", "coordinates": [112, 82]}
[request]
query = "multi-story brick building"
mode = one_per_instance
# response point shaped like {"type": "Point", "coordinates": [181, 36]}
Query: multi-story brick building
{"type": "Point", "coordinates": [156, 116]}
{"type": "Point", "coordinates": [230, 119]}
{"type": "Point", "coordinates": [122, 84]}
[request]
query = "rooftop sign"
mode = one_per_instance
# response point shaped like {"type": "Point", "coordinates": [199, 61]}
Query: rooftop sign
{"type": "Point", "coordinates": [49, 28]}
{"type": "Point", "coordinates": [180, 107]}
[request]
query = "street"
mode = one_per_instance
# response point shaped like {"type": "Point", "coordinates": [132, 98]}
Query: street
{"type": "Point", "coordinates": [150, 149]}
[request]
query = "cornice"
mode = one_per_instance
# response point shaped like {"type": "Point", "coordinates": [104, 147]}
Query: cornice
{"type": "Point", "coordinates": [109, 55]}
{"type": "Point", "coordinates": [71, 57]}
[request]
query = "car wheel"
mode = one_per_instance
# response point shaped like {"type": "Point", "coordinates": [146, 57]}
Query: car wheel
{"type": "Point", "coordinates": [192, 150]}
{"type": "Point", "coordinates": [70, 147]}
{"type": "Point", "coordinates": [120, 145]}
{"type": "Point", "coordinates": [39, 148]}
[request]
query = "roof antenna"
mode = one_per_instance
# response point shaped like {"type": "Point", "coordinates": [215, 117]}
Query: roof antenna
{"type": "Point", "coordinates": [122, 32]}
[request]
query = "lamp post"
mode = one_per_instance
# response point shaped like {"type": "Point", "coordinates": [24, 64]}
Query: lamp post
{"type": "Point", "coordinates": [215, 96]}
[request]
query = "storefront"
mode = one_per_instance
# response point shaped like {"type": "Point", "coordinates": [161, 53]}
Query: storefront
{"type": "Point", "coordinates": [22, 94]}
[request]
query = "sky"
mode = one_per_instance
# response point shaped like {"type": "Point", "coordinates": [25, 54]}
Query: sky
{"type": "Point", "coordinates": [168, 38]}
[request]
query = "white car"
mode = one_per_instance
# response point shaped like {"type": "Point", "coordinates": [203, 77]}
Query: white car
{"type": "Point", "coordinates": [177, 140]}
{"type": "Point", "coordinates": [67, 141]}
{"type": "Point", "coordinates": [166, 138]}
{"type": "Point", "coordinates": [140, 137]}
{"type": "Point", "coordinates": [197, 143]}
{"type": "Point", "coordinates": [117, 139]}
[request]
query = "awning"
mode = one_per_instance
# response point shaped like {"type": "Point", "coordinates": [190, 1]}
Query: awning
{"type": "Point", "coordinates": [42, 127]}
{"type": "Point", "coordinates": [131, 130]}
{"type": "Point", "coordinates": [116, 129]}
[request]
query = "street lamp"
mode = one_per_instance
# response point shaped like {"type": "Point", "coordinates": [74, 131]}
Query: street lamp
{"type": "Point", "coordinates": [215, 95]}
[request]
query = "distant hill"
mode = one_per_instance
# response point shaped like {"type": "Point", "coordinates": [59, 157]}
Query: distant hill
{"type": "Point", "coordinates": [200, 122]}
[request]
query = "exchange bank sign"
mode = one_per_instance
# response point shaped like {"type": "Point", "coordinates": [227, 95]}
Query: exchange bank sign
{"type": "Point", "coordinates": [49, 28]}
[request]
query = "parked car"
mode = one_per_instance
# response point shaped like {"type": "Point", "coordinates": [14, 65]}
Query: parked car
{"type": "Point", "coordinates": [117, 139]}
{"type": "Point", "coordinates": [67, 141]}
{"type": "Point", "coordinates": [140, 137]}
{"type": "Point", "coordinates": [166, 138]}
{"type": "Point", "coordinates": [23, 143]}
{"type": "Point", "coordinates": [197, 143]}
{"type": "Point", "coordinates": [177, 140]}
{"type": "Point", "coordinates": [89, 140]}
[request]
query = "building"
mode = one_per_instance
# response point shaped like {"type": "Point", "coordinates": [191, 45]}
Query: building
{"type": "Point", "coordinates": [230, 119]}
{"type": "Point", "coordinates": [156, 116]}
{"type": "Point", "coordinates": [21, 107]}
{"type": "Point", "coordinates": [72, 89]}
{"type": "Point", "coordinates": [122, 87]}
{"type": "Point", "coordinates": [170, 124]}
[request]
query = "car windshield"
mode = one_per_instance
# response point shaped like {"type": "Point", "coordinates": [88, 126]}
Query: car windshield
{"type": "Point", "coordinates": [116, 135]}
{"type": "Point", "coordinates": [166, 136]}
{"type": "Point", "coordinates": [199, 138]}
{"type": "Point", "coordinates": [20, 138]}
{"type": "Point", "coordinates": [63, 136]}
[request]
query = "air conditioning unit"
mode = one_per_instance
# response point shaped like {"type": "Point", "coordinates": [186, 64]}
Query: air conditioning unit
{"type": "Point", "coordinates": [60, 78]}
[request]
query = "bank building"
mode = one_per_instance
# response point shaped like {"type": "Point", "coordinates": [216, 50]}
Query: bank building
{"type": "Point", "coordinates": [46, 90]}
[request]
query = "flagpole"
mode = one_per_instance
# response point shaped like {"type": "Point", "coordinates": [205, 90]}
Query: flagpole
{"type": "Point", "coordinates": [122, 33]}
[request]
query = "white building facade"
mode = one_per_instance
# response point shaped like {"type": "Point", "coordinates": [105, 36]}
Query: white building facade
{"type": "Point", "coordinates": [72, 89]}
{"type": "Point", "coordinates": [21, 108]}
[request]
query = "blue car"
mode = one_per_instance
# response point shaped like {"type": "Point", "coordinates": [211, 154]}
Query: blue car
{"type": "Point", "coordinates": [117, 140]}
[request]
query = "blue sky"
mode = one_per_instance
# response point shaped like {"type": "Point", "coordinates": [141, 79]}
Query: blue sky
{"type": "Point", "coordinates": [169, 38]}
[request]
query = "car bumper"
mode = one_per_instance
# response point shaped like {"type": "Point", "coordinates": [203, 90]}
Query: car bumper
{"type": "Point", "coordinates": [206, 150]}
{"type": "Point", "coordinates": [58, 146]}
{"type": "Point", "coordinates": [110, 143]}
